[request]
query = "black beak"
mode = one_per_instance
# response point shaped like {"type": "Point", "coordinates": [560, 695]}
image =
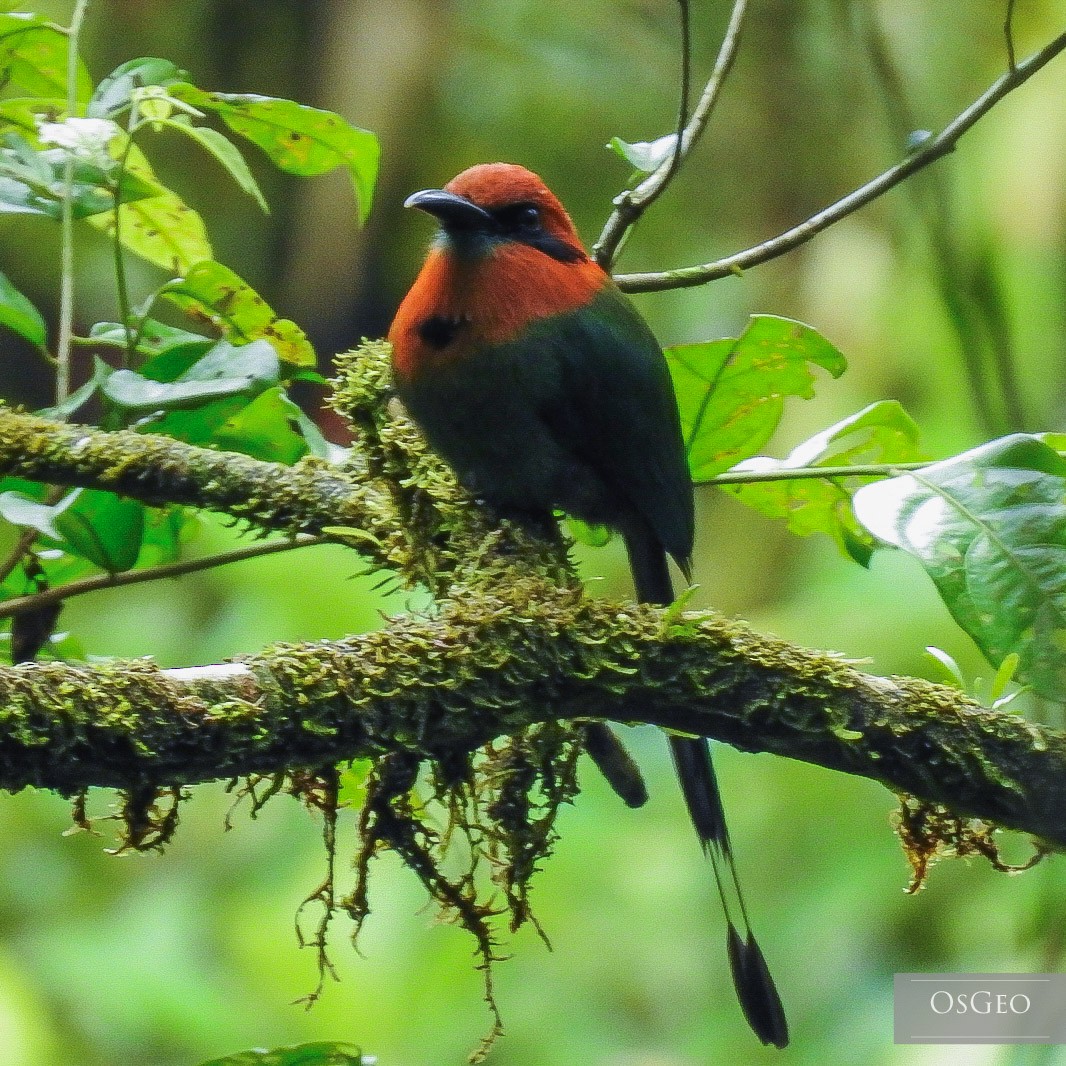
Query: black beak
{"type": "Point", "coordinates": [454, 212]}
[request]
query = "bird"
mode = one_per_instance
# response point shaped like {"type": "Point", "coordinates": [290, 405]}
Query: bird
{"type": "Point", "coordinates": [538, 381]}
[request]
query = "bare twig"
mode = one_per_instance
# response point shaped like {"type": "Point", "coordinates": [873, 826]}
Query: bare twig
{"type": "Point", "coordinates": [940, 145]}
{"type": "Point", "coordinates": [1008, 34]}
{"type": "Point", "coordinates": [149, 573]}
{"type": "Point", "coordinates": [632, 203]}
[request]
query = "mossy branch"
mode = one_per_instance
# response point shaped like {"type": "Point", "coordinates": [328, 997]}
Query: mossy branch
{"type": "Point", "coordinates": [489, 665]}
{"type": "Point", "coordinates": [514, 644]}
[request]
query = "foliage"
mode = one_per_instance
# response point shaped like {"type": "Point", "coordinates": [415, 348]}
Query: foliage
{"type": "Point", "coordinates": [985, 524]}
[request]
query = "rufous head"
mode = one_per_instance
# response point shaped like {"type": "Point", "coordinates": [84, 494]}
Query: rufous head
{"type": "Point", "coordinates": [496, 203]}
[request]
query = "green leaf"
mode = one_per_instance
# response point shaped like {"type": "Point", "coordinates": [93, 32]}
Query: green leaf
{"type": "Point", "coordinates": [170, 351]}
{"type": "Point", "coordinates": [299, 139]}
{"type": "Point", "coordinates": [17, 313]}
{"type": "Point", "coordinates": [34, 53]}
{"type": "Point", "coordinates": [211, 290]}
{"type": "Point", "coordinates": [101, 372]}
{"type": "Point", "coordinates": [880, 433]}
{"type": "Point", "coordinates": [263, 429]}
{"type": "Point", "coordinates": [948, 664]}
{"type": "Point", "coordinates": [646, 156]}
{"type": "Point", "coordinates": [114, 93]}
{"type": "Point", "coordinates": [584, 533]}
{"type": "Point", "coordinates": [989, 527]}
{"type": "Point", "coordinates": [317, 444]}
{"type": "Point", "coordinates": [21, 510]}
{"type": "Point", "coordinates": [104, 528]}
{"type": "Point", "coordinates": [321, 1053]}
{"type": "Point", "coordinates": [162, 228]}
{"type": "Point", "coordinates": [226, 370]}
{"type": "Point", "coordinates": [731, 392]}
{"type": "Point", "coordinates": [225, 151]}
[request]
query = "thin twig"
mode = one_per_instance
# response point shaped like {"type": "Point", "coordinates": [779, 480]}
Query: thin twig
{"type": "Point", "coordinates": [940, 145]}
{"type": "Point", "coordinates": [66, 280]}
{"type": "Point", "coordinates": [151, 573]}
{"type": "Point", "coordinates": [631, 204]}
{"type": "Point", "coordinates": [1008, 34]}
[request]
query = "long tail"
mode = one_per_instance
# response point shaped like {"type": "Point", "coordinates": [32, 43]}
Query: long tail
{"type": "Point", "coordinates": [692, 758]}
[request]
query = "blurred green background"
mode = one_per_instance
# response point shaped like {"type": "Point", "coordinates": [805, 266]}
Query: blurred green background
{"type": "Point", "coordinates": [168, 960]}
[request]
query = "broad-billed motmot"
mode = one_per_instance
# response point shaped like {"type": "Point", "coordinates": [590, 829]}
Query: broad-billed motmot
{"type": "Point", "coordinates": [537, 380]}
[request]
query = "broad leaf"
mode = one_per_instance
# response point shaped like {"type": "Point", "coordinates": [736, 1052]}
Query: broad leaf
{"type": "Point", "coordinates": [989, 526]}
{"type": "Point", "coordinates": [98, 526]}
{"type": "Point", "coordinates": [162, 228]}
{"type": "Point", "coordinates": [731, 392]}
{"type": "Point", "coordinates": [263, 429]}
{"type": "Point", "coordinates": [226, 370]}
{"type": "Point", "coordinates": [215, 292]}
{"type": "Point", "coordinates": [299, 139]}
{"type": "Point", "coordinates": [33, 181]}
{"type": "Point", "coordinates": [170, 351]}
{"type": "Point", "coordinates": [17, 313]}
{"type": "Point", "coordinates": [104, 528]}
{"type": "Point", "coordinates": [34, 54]}
{"type": "Point", "coordinates": [880, 433]}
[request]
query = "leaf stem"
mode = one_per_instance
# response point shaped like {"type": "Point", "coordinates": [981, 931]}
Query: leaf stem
{"type": "Point", "coordinates": [940, 145]}
{"type": "Point", "coordinates": [799, 473]}
{"type": "Point", "coordinates": [66, 279]}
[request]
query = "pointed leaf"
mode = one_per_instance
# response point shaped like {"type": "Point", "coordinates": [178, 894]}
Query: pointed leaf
{"type": "Point", "coordinates": [299, 139]}
{"type": "Point", "coordinates": [20, 510]}
{"type": "Point", "coordinates": [225, 151]}
{"type": "Point", "coordinates": [263, 429]}
{"type": "Point", "coordinates": [989, 527]}
{"type": "Point", "coordinates": [646, 156]}
{"type": "Point", "coordinates": [731, 392]}
{"type": "Point", "coordinates": [17, 313]}
{"type": "Point", "coordinates": [880, 433]}
{"type": "Point", "coordinates": [169, 351]}
{"type": "Point", "coordinates": [226, 370]}
{"type": "Point", "coordinates": [104, 528]}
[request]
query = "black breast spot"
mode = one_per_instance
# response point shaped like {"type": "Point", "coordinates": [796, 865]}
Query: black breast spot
{"type": "Point", "coordinates": [438, 331]}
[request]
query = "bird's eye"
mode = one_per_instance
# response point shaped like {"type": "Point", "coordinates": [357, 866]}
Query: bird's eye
{"type": "Point", "coordinates": [519, 217]}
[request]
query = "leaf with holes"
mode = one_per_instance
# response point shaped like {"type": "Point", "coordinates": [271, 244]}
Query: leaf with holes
{"type": "Point", "coordinates": [160, 228]}
{"type": "Point", "coordinates": [989, 527]}
{"type": "Point", "coordinates": [210, 290]}
{"type": "Point", "coordinates": [731, 392]}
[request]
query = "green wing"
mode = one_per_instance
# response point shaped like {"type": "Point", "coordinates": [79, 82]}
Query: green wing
{"type": "Point", "coordinates": [616, 409]}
